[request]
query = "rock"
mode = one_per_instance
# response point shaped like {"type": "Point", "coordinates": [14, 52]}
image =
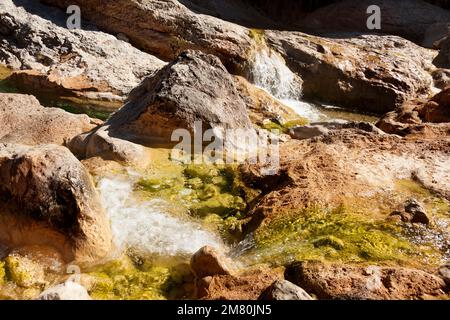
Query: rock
{"type": "Point", "coordinates": [410, 19]}
{"type": "Point", "coordinates": [368, 72]}
{"type": "Point", "coordinates": [65, 291]}
{"type": "Point", "coordinates": [69, 62]}
{"type": "Point", "coordinates": [24, 271]}
{"type": "Point", "coordinates": [307, 132]}
{"type": "Point", "coordinates": [429, 118]}
{"type": "Point", "coordinates": [208, 262]}
{"type": "Point", "coordinates": [412, 212]}
{"type": "Point", "coordinates": [344, 164]}
{"type": "Point", "coordinates": [48, 198]}
{"type": "Point", "coordinates": [443, 59]}
{"type": "Point", "coordinates": [246, 286]}
{"type": "Point", "coordinates": [435, 33]}
{"type": "Point", "coordinates": [284, 290]}
{"type": "Point", "coordinates": [441, 78]}
{"type": "Point", "coordinates": [262, 105]}
{"type": "Point", "coordinates": [194, 87]}
{"type": "Point", "coordinates": [24, 120]}
{"type": "Point", "coordinates": [444, 272]}
{"type": "Point", "coordinates": [357, 282]}
{"type": "Point", "coordinates": [417, 210]}
{"type": "Point", "coordinates": [166, 28]}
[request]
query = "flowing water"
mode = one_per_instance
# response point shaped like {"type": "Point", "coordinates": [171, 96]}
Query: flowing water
{"type": "Point", "coordinates": [270, 73]}
{"type": "Point", "coordinates": [147, 226]}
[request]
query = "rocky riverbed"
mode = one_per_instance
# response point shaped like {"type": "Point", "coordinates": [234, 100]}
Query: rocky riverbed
{"type": "Point", "coordinates": [94, 204]}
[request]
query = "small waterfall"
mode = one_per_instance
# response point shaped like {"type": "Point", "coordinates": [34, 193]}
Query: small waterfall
{"type": "Point", "coordinates": [145, 227]}
{"type": "Point", "coordinates": [269, 72]}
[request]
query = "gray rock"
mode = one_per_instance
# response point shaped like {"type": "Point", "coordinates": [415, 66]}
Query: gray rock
{"type": "Point", "coordinates": [65, 291]}
{"type": "Point", "coordinates": [307, 132]}
{"type": "Point", "coordinates": [90, 63]}
{"type": "Point", "coordinates": [48, 197]}
{"type": "Point", "coordinates": [194, 87]}
{"type": "Point", "coordinates": [284, 290]}
{"type": "Point", "coordinates": [166, 28]}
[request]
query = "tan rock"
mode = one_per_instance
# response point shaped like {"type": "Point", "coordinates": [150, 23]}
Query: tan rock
{"type": "Point", "coordinates": [48, 199]}
{"type": "Point", "coordinates": [208, 262]}
{"type": "Point", "coordinates": [364, 282]}
{"type": "Point", "coordinates": [23, 120]}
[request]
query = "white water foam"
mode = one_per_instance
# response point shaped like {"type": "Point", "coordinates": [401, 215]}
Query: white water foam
{"type": "Point", "coordinates": [269, 72]}
{"type": "Point", "coordinates": [145, 227]}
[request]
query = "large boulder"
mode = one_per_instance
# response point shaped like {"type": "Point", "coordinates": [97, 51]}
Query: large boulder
{"type": "Point", "coordinates": [69, 62]}
{"type": "Point", "coordinates": [23, 120]}
{"type": "Point", "coordinates": [356, 72]}
{"type": "Point", "coordinates": [48, 198]}
{"type": "Point", "coordinates": [194, 87]}
{"type": "Point", "coordinates": [368, 72]}
{"type": "Point", "coordinates": [409, 19]}
{"type": "Point", "coordinates": [359, 282]}
{"type": "Point", "coordinates": [166, 28]}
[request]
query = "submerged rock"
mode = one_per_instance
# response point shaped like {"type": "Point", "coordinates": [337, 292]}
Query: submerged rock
{"type": "Point", "coordinates": [48, 198]}
{"type": "Point", "coordinates": [284, 290]}
{"type": "Point", "coordinates": [207, 262]}
{"type": "Point", "coordinates": [357, 282]}
{"type": "Point", "coordinates": [69, 62]}
{"type": "Point", "coordinates": [65, 291]}
{"type": "Point", "coordinates": [24, 271]}
{"type": "Point", "coordinates": [23, 120]}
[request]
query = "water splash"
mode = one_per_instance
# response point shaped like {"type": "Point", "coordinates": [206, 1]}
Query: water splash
{"type": "Point", "coordinates": [146, 227]}
{"type": "Point", "coordinates": [270, 73]}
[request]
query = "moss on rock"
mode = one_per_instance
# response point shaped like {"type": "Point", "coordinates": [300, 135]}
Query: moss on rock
{"type": "Point", "coordinates": [335, 235]}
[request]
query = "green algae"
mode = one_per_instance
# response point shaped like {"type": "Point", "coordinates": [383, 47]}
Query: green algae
{"type": "Point", "coordinates": [127, 279]}
{"type": "Point", "coordinates": [2, 273]}
{"type": "Point", "coordinates": [336, 235]}
{"type": "Point", "coordinates": [258, 35]}
{"type": "Point", "coordinates": [284, 127]}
